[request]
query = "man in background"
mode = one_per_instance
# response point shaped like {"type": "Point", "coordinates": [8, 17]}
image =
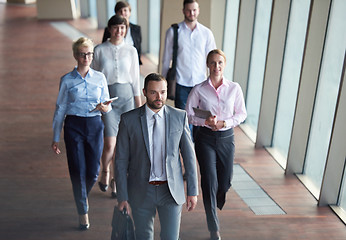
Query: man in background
{"type": "Point", "coordinates": [195, 41]}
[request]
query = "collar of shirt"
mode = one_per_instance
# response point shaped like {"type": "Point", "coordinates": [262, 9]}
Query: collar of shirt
{"type": "Point", "coordinates": [150, 113]}
{"type": "Point", "coordinates": [116, 46]}
{"type": "Point", "coordinates": [76, 74]}
{"type": "Point", "coordinates": [223, 84]}
{"type": "Point", "coordinates": [187, 28]}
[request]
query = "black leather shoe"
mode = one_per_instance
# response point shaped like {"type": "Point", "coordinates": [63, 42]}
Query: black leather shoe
{"type": "Point", "coordinates": [103, 187]}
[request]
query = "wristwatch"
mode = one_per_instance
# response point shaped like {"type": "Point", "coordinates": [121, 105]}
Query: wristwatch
{"type": "Point", "coordinates": [224, 124]}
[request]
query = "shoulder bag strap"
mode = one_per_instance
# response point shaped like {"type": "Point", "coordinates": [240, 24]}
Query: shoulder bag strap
{"type": "Point", "coordinates": [175, 45]}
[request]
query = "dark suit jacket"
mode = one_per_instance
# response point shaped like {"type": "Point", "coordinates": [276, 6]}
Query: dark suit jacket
{"type": "Point", "coordinates": [132, 161]}
{"type": "Point", "coordinates": [136, 35]}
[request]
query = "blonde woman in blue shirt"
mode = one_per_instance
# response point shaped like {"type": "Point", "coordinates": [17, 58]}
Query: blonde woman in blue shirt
{"type": "Point", "coordinates": [83, 97]}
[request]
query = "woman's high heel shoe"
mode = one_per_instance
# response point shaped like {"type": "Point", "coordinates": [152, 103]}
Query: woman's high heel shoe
{"type": "Point", "coordinates": [103, 187]}
{"type": "Point", "coordinates": [114, 193]}
{"type": "Point", "coordinates": [84, 222]}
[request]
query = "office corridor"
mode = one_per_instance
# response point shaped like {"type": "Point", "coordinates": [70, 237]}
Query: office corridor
{"type": "Point", "coordinates": [36, 200]}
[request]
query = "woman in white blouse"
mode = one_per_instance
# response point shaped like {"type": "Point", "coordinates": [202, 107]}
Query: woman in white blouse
{"type": "Point", "coordinates": [119, 62]}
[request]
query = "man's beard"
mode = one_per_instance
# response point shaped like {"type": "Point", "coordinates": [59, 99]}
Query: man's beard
{"type": "Point", "coordinates": [154, 106]}
{"type": "Point", "coordinates": [190, 20]}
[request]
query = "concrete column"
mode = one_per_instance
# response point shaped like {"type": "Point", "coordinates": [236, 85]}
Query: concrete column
{"type": "Point", "coordinates": [335, 164]}
{"type": "Point", "coordinates": [52, 9]}
{"type": "Point", "coordinates": [102, 17]}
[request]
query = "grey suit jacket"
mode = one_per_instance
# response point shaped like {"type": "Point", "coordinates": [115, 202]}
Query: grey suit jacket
{"type": "Point", "coordinates": [132, 162]}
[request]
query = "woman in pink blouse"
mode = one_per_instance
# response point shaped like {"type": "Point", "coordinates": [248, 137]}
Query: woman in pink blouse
{"type": "Point", "coordinates": [214, 140]}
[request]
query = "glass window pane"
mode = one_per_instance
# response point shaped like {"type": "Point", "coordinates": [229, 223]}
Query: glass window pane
{"type": "Point", "coordinates": [327, 92]}
{"type": "Point", "coordinates": [258, 60]}
{"type": "Point", "coordinates": [289, 84]}
{"type": "Point", "coordinates": [110, 8]}
{"type": "Point", "coordinates": [93, 8]}
{"type": "Point", "coordinates": [230, 35]}
{"type": "Point", "coordinates": [154, 27]}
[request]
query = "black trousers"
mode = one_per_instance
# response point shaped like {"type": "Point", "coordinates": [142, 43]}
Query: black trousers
{"type": "Point", "coordinates": [84, 144]}
{"type": "Point", "coordinates": [215, 155]}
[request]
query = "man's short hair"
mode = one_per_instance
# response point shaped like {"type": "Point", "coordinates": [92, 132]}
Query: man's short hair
{"type": "Point", "coordinates": [189, 1]}
{"type": "Point", "coordinates": [153, 77]}
{"type": "Point", "coordinates": [117, 20]}
{"type": "Point", "coordinates": [120, 5]}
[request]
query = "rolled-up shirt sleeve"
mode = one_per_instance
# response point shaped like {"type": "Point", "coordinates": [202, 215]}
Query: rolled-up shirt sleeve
{"type": "Point", "coordinates": [193, 101]}
{"type": "Point", "coordinates": [60, 111]}
{"type": "Point", "coordinates": [168, 52]}
{"type": "Point", "coordinates": [240, 113]}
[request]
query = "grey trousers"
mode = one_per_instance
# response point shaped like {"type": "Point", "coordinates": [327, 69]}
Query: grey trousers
{"type": "Point", "coordinates": [158, 198]}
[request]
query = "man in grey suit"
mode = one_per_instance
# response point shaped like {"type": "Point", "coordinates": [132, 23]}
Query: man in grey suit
{"type": "Point", "coordinates": [148, 168]}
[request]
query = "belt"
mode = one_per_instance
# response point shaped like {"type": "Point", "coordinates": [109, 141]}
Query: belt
{"type": "Point", "coordinates": [157, 183]}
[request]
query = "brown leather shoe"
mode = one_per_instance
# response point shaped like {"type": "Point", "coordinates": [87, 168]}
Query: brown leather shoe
{"type": "Point", "coordinates": [215, 235]}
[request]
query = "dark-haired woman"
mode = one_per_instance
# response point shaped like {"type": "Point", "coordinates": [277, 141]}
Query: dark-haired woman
{"type": "Point", "coordinates": [134, 33]}
{"type": "Point", "coordinates": [119, 62]}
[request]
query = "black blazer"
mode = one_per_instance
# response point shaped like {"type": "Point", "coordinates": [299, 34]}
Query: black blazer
{"type": "Point", "coordinates": [136, 35]}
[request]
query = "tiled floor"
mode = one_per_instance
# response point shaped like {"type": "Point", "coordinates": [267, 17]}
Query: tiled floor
{"type": "Point", "coordinates": [35, 191]}
{"type": "Point", "coordinates": [252, 194]}
{"type": "Point", "coordinates": [68, 30]}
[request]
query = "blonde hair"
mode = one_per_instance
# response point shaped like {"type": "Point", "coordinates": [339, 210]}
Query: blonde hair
{"type": "Point", "coordinates": [82, 42]}
{"type": "Point", "coordinates": [216, 51]}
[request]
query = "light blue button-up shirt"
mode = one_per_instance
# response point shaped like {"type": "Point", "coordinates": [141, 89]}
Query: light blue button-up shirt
{"type": "Point", "coordinates": [78, 96]}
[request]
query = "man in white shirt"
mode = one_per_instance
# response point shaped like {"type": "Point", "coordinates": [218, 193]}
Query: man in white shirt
{"type": "Point", "coordinates": [195, 41]}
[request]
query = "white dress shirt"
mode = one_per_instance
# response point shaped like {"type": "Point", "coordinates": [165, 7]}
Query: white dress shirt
{"type": "Point", "coordinates": [193, 48]}
{"type": "Point", "coordinates": [150, 123]}
{"type": "Point", "coordinates": [119, 63]}
{"type": "Point", "coordinates": [128, 38]}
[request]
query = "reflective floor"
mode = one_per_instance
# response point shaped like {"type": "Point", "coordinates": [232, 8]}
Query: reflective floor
{"type": "Point", "coordinates": [36, 199]}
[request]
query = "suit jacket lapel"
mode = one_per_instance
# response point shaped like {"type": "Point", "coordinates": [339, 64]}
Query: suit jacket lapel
{"type": "Point", "coordinates": [144, 127]}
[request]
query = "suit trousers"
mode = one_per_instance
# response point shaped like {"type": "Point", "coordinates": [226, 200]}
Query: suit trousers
{"type": "Point", "coordinates": [84, 143]}
{"type": "Point", "coordinates": [215, 155]}
{"type": "Point", "coordinates": [158, 198]}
